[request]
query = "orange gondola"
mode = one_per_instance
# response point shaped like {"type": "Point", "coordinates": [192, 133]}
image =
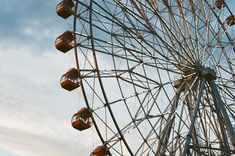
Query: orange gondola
{"type": "Point", "coordinates": [65, 8]}
{"type": "Point", "coordinates": [101, 151]}
{"type": "Point", "coordinates": [65, 42]}
{"type": "Point", "coordinates": [70, 80]}
{"type": "Point", "coordinates": [220, 4]}
{"type": "Point", "coordinates": [230, 20]}
{"type": "Point", "coordinates": [82, 119]}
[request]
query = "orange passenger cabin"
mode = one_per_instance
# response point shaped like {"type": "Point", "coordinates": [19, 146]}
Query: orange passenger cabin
{"type": "Point", "coordinates": [230, 20]}
{"type": "Point", "coordinates": [65, 8]}
{"type": "Point", "coordinates": [220, 4]}
{"type": "Point", "coordinates": [70, 80]}
{"type": "Point", "coordinates": [101, 151]}
{"type": "Point", "coordinates": [65, 42]}
{"type": "Point", "coordinates": [82, 119]}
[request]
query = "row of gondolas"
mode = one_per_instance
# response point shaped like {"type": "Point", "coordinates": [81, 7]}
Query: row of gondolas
{"type": "Point", "coordinates": [81, 120]}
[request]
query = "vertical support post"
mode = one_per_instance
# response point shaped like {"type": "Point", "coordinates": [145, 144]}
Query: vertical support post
{"type": "Point", "coordinates": [224, 113]}
{"type": "Point", "coordinates": [163, 140]}
{"type": "Point", "coordinates": [222, 128]}
{"type": "Point", "coordinates": [193, 119]}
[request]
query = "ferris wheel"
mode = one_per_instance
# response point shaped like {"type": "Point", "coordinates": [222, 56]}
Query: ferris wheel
{"type": "Point", "coordinates": [157, 76]}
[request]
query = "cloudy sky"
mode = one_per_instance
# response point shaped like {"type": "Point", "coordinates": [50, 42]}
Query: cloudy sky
{"type": "Point", "coordinates": [35, 112]}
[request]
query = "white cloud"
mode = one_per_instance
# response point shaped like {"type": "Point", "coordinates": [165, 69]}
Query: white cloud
{"type": "Point", "coordinates": [35, 30]}
{"type": "Point", "coordinates": [35, 112]}
{"type": "Point", "coordinates": [25, 143]}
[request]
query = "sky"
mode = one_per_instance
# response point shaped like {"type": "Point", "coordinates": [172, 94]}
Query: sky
{"type": "Point", "coordinates": [35, 112]}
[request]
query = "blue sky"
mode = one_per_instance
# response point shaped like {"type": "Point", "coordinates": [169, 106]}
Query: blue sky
{"type": "Point", "coordinates": [35, 112]}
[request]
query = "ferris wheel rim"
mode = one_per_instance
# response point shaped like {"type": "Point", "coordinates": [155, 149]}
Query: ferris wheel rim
{"type": "Point", "coordinates": [97, 69]}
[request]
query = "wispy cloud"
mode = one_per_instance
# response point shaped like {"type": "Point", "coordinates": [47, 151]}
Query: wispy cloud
{"type": "Point", "coordinates": [35, 112]}
{"type": "Point", "coordinates": [30, 23]}
{"type": "Point", "coordinates": [25, 143]}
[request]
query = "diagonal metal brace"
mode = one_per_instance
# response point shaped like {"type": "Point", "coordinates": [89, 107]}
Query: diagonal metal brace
{"type": "Point", "coordinates": [193, 119]}
{"type": "Point", "coordinates": [224, 113]}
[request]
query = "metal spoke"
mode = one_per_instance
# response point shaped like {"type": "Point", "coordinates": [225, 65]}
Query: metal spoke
{"type": "Point", "coordinates": [157, 75]}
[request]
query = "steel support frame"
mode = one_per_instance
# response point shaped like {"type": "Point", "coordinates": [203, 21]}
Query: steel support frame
{"type": "Point", "coordinates": [163, 140]}
{"type": "Point", "coordinates": [221, 112]}
{"type": "Point", "coordinates": [221, 106]}
{"type": "Point", "coordinates": [194, 117]}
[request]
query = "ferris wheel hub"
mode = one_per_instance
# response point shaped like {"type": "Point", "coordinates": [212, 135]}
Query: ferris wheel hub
{"type": "Point", "coordinates": [208, 74]}
{"type": "Point", "coordinates": [192, 75]}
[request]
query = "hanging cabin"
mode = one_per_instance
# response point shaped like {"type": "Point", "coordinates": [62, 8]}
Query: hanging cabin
{"type": "Point", "coordinates": [230, 20]}
{"type": "Point", "coordinates": [101, 151]}
{"type": "Point", "coordinates": [65, 8]}
{"type": "Point", "coordinates": [70, 80]}
{"type": "Point", "coordinates": [220, 4]}
{"type": "Point", "coordinates": [65, 42]}
{"type": "Point", "coordinates": [82, 119]}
